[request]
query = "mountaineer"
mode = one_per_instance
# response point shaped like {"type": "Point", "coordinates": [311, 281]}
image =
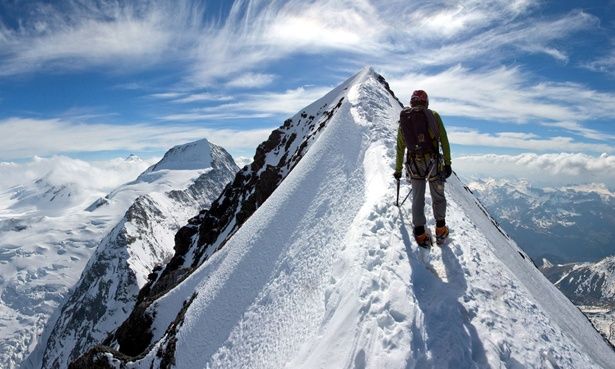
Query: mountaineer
{"type": "Point", "coordinates": [420, 136]}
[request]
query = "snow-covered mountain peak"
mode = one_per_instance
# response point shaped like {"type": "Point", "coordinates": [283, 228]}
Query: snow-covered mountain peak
{"type": "Point", "coordinates": [47, 238]}
{"type": "Point", "coordinates": [546, 263]}
{"type": "Point", "coordinates": [190, 156]}
{"type": "Point", "coordinates": [177, 169]}
{"type": "Point", "coordinates": [43, 196]}
{"type": "Point", "coordinates": [514, 187]}
{"type": "Point", "coordinates": [304, 262]}
{"type": "Point", "coordinates": [133, 158]}
{"type": "Point", "coordinates": [589, 284]}
{"type": "Point", "coordinates": [139, 219]}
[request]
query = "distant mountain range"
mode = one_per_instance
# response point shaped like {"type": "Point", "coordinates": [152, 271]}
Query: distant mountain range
{"type": "Point", "coordinates": [562, 225]}
{"type": "Point", "coordinates": [591, 286]}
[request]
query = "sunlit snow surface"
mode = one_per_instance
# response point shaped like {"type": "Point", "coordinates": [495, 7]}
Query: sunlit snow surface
{"type": "Point", "coordinates": [47, 236]}
{"type": "Point", "coordinates": [325, 274]}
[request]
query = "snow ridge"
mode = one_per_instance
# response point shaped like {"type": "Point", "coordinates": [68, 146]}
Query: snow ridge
{"type": "Point", "coordinates": [324, 274]}
{"type": "Point", "coordinates": [208, 232]}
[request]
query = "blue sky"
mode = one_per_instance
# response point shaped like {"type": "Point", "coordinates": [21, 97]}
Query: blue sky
{"type": "Point", "coordinates": [95, 79]}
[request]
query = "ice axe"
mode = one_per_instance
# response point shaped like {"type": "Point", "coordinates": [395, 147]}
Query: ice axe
{"type": "Point", "coordinates": [405, 198]}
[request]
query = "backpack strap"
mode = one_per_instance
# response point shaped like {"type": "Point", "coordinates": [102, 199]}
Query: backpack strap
{"type": "Point", "coordinates": [433, 127]}
{"type": "Point", "coordinates": [439, 162]}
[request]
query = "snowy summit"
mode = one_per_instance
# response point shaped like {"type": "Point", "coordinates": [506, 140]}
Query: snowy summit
{"type": "Point", "coordinates": [304, 261]}
{"type": "Point", "coordinates": [115, 241]}
{"type": "Point", "coordinates": [190, 156]}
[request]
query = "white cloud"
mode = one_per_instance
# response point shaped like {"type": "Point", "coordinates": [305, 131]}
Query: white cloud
{"type": "Point", "coordinates": [203, 96]}
{"type": "Point", "coordinates": [507, 94]}
{"type": "Point", "coordinates": [450, 22]}
{"type": "Point", "coordinates": [577, 128]}
{"type": "Point", "coordinates": [385, 33]}
{"type": "Point", "coordinates": [388, 34]}
{"type": "Point", "coordinates": [263, 105]}
{"type": "Point", "coordinates": [256, 32]}
{"type": "Point", "coordinates": [196, 116]}
{"type": "Point", "coordinates": [167, 95]}
{"type": "Point", "coordinates": [27, 137]}
{"type": "Point", "coordinates": [555, 170]}
{"type": "Point", "coordinates": [21, 138]}
{"type": "Point", "coordinates": [498, 42]}
{"type": "Point", "coordinates": [251, 80]}
{"type": "Point", "coordinates": [523, 141]}
{"type": "Point", "coordinates": [78, 35]}
{"type": "Point", "coordinates": [130, 86]}
{"type": "Point", "coordinates": [98, 176]}
{"type": "Point", "coordinates": [322, 25]}
{"type": "Point", "coordinates": [397, 35]}
{"type": "Point", "coordinates": [605, 64]}
{"type": "Point", "coordinates": [189, 97]}
{"type": "Point", "coordinates": [287, 102]}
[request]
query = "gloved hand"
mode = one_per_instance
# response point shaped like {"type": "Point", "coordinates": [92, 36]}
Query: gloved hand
{"type": "Point", "coordinates": [397, 175]}
{"type": "Point", "coordinates": [447, 171]}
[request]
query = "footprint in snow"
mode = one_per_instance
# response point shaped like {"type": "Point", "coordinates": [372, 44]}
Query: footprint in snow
{"type": "Point", "coordinates": [432, 259]}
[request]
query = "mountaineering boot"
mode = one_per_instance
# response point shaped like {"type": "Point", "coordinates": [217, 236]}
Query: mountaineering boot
{"type": "Point", "coordinates": [422, 236]}
{"type": "Point", "coordinates": [423, 240]}
{"type": "Point", "coordinates": [441, 234]}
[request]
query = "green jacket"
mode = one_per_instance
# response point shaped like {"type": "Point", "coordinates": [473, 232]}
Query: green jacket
{"type": "Point", "coordinates": [401, 145]}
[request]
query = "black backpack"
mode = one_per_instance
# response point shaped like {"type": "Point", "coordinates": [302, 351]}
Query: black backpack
{"type": "Point", "coordinates": [420, 131]}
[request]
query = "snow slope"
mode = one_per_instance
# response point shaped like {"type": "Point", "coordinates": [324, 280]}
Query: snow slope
{"type": "Point", "coordinates": [324, 274]}
{"type": "Point", "coordinates": [42, 256]}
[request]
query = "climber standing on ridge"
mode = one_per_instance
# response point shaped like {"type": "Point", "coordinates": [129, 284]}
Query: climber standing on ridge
{"type": "Point", "coordinates": [422, 133]}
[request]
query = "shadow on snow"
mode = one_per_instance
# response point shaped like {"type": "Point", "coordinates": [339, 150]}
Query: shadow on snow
{"type": "Point", "coordinates": [448, 339]}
